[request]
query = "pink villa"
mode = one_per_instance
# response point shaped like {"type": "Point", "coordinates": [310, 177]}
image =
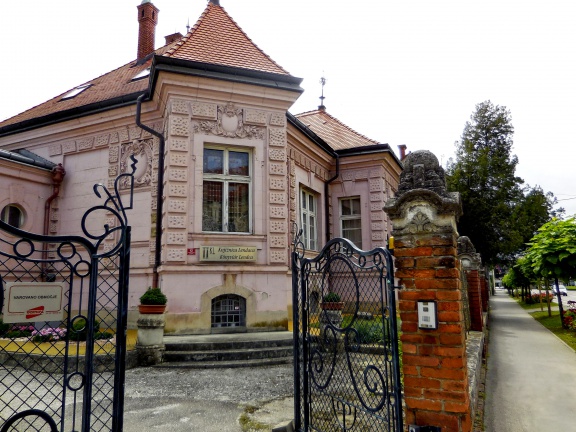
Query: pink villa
{"type": "Point", "coordinates": [224, 172]}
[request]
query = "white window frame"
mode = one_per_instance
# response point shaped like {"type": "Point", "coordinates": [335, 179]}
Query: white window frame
{"type": "Point", "coordinates": [351, 216]}
{"type": "Point", "coordinates": [5, 214]}
{"type": "Point", "coordinates": [226, 179]}
{"type": "Point", "coordinates": [309, 219]}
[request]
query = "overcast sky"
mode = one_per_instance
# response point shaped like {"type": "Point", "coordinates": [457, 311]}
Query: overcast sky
{"type": "Point", "coordinates": [400, 72]}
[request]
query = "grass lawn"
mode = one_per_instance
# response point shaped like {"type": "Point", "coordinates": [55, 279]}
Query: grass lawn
{"type": "Point", "coordinates": [535, 306]}
{"type": "Point", "coordinates": [553, 324]}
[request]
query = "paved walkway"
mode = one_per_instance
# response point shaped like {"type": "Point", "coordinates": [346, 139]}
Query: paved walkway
{"type": "Point", "coordinates": [531, 378]}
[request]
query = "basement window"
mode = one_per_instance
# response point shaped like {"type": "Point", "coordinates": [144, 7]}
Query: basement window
{"type": "Point", "coordinates": [75, 91]}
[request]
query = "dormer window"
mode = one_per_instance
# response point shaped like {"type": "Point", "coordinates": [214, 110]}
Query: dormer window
{"type": "Point", "coordinates": [141, 74]}
{"type": "Point", "coordinates": [75, 91]}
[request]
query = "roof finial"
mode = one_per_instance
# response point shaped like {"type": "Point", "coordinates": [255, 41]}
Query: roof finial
{"type": "Point", "coordinates": [188, 26]}
{"type": "Point", "coordinates": [321, 106]}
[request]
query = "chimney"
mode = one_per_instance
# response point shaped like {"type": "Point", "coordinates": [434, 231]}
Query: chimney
{"type": "Point", "coordinates": [402, 148]}
{"type": "Point", "coordinates": [173, 37]}
{"type": "Point", "coordinates": [147, 20]}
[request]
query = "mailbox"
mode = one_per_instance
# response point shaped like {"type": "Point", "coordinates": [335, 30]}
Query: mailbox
{"type": "Point", "coordinates": [427, 315]}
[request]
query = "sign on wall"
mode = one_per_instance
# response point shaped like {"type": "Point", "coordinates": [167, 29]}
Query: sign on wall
{"type": "Point", "coordinates": [228, 253]}
{"type": "Point", "coordinates": [33, 302]}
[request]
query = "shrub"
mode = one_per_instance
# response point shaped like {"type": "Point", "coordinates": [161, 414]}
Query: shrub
{"type": "Point", "coordinates": [105, 335]}
{"type": "Point", "coordinates": [80, 329]}
{"type": "Point", "coordinates": [331, 297]}
{"type": "Point", "coordinates": [153, 296]}
{"type": "Point", "coordinates": [48, 334]}
{"type": "Point", "coordinates": [3, 327]}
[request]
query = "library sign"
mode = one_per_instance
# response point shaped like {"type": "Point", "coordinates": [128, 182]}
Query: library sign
{"type": "Point", "coordinates": [33, 302]}
{"type": "Point", "coordinates": [228, 253]}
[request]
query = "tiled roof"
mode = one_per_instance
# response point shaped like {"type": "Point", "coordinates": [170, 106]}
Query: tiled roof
{"type": "Point", "coordinates": [112, 85]}
{"type": "Point", "coordinates": [214, 39]}
{"type": "Point", "coordinates": [217, 39]}
{"type": "Point", "coordinates": [333, 131]}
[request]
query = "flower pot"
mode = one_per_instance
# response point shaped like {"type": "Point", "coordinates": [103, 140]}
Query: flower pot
{"type": "Point", "coordinates": [332, 305]}
{"type": "Point", "coordinates": [151, 309]}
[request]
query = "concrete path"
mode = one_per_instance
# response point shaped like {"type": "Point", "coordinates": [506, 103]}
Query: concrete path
{"type": "Point", "coordinates": [531, 378]}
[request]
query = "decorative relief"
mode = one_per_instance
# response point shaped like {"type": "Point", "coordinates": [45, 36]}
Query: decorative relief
{"type": "Point", "coordinates": [377, 236]}
{"type": "Point", "coordinates": [277, 169]}
{"type": "Point", "coordinates": [420, 223]}
{"type": "Point", "coordinates": [204, 110]}
{"type": "Point", "coordinates": [277, 241]}
{"type": "Point", "coordinates": [376, 216]}
{"type": "Point", "coordinates": [179, 144]}
{"type": "Point", "coordinates": [178, 159]}
{"type": "Point", "coordinates": [113, 154]}
{"type": "Point", "coordinates": [278, 212]}
{"type": "Point", "coordinates": [253, 116]}
{"type": "Point", "coordinates": [55, 150]}
{"type": "Point", "coordinates": [101, 140]}
{"type": "Point", "coordinates": [177, 206]}
{"type": "Point", "coordinates": [111, 183]}
{"type": "Point", "coordinates": [277, 198]}
{"type": "Point", "coordinates": [152, 245]}
{"type": "Point", "coordinates": [178, 175]}
{"type": "Point", "coordinates": [375, 226]}
{"type": "Point", "coordinates": [134, 132]}
{"type": "Point", "coordinates": [179, 126]}
{"type": "Point", "coordinates": [178, 238]}
{"type": "Point", "coordinates": [278, 226]}
{"type": "Point", "coordinates": [278, 119]}
{"type": "Point", "coordinates": [113, 171]}
{"type": "Point", "coordinates": [375, 206]}
{"type": "Point", "coordinates": [278, 183]}
{"type": "Point", "coordinates": [179, 106]}
{"type": "Point", "coordinates": [348, 176]}
{"type": "Point", "coordinates": [176, 222]}
{"type": "Point", "coordinates": [277, 154]}
{"type": "Point", "coordinates": [375, 185]}
{"type": "Point", "coordinates": [362, 174]}
{"type": "Point", "coordinates": [175, 255]}
{"type": "Point", "coordinates": [123, 135]}
{"type": "Point", "coordinates": [376, 197]}
{"type": "Point", "coordinates": [278, 256]}
{"type": "Point", "coordinates": [177, 189]}
{"type": "Point", "coordinates": [277, 137]}
{"type": "Point", "coordinates": [377, 172]}
{"type": "Point", "coordinates": [85, 144]}
{"type": "Point", "coordinates": [142, 151]}
{"type": "Point", "coordinates": [422, 171]}
{"type": "Point", "coordinates": [69, 147]}
{"type": "Point", "coordinates": [230, 123]}
{"type": "Point", "coordinates": [114, 138]}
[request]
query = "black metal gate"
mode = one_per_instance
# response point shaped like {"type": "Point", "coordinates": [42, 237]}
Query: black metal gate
{"type": "Point", "coordinates": [63, 335]}
{"type": "Point", "coordinates": [346, 361]}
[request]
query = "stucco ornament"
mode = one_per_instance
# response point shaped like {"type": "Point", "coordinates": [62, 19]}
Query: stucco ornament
{"type": "Point", "coordinates": [142, 152]}
{"type": "Point", "coordinates": [230, 123]}
{"type": "Point", "coordinates": [422, 171]}
{"type": "Point", "coordinates": [467, 253]}
{"type": "Point", "coordinates": [420, 223]}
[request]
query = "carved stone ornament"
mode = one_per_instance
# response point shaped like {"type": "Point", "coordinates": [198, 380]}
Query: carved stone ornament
{"type": "Point", "coordinates": [467, 253]}
{"type": "Point", "coordinates": [230, 123]}
{"type": "Point", "coordinates": [422, 171]}
{"type": "Point", "coordinates": [420, 224]}
{"type": "Point", "coordinates": [465, 246]}
{"type": "Point", "coordinates": [142, 151]}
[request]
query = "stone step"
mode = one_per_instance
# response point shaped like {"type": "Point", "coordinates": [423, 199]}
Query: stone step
{"type": "Point", "coordinates": [226, 364]}
{"type": "Point", "coordinates": [225, 345]}
{"type": "Point", "coordinates": [227, 354]}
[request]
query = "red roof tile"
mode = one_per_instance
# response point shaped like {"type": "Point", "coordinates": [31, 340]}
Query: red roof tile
{"type": "Point", "coordinates": [333, 131]}
{"type": "Point", "coordinates": [217, 39]}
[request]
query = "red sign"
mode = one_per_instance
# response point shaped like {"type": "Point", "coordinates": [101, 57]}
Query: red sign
{"type": "Point", "coordinates": [191, 251]}
{"type": "Point", "coordinates": [34, 312]}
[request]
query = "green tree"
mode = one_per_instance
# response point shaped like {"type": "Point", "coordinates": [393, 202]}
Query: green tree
{"type": "Point", "coordinates": [552, 252]}
{"type": "Point", "coordinates": [484, 174]}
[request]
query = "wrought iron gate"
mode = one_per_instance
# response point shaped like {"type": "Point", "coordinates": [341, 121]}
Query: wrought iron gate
{"type": "Point", "coordinates": [63, 336]}
{"type": "Point", "coordinates": [346, 360]}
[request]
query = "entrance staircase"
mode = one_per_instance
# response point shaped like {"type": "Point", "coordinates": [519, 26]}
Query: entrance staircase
{"type": "Point", "coordinates": [228, 350]}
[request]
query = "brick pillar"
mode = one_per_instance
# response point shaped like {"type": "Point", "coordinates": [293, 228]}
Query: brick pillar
{"type": "Point", "coordinates": [424, 216]}
{"type": "Point", "coordinates": [484, 290]}
{"type": "Point", "coordinates": [471, 262]}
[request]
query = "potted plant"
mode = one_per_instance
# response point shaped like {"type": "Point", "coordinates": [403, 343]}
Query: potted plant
{"type": "Point", "coordinates": [153, 301]}
{"type": "Point", "coordinates": [331, 301]}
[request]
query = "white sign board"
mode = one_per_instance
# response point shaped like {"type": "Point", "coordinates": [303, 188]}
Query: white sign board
{"type": "Point", "coordinates": [33, 302]}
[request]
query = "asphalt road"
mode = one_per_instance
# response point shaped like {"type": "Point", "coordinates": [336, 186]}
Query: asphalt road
{"type": "Point", "coordinates": [531, 378]}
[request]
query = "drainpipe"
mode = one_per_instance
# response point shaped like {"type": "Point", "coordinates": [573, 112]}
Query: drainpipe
{"type": "Point", "coordinates": [58, 173]}
{"type": "Point", "coordinates": [327, 199]}
{"type": "Point", "coordinates": [160, 193]}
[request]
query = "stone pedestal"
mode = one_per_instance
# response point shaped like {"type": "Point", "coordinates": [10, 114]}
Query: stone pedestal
{"type": "Point", "coordinates": [150, 344]}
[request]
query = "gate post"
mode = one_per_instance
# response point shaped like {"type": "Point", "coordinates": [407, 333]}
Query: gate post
{"type": "Point", "coordinates": [471, 262]}
{"type": "Point", "coordinates": [424, 216]}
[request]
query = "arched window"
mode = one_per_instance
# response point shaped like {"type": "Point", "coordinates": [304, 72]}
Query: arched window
{"type": "Point", "coordinates": [229, 311]}
{"type": "Point", "coordinates": [12, 215]}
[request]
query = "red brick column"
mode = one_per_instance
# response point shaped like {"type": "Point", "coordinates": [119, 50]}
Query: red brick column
{"type": "Point", "coordinates": [484, 291]}
{"type": "Point", "coordinates": [475, 300]}
{"type": "Point", "coordinates": [434, 361]}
